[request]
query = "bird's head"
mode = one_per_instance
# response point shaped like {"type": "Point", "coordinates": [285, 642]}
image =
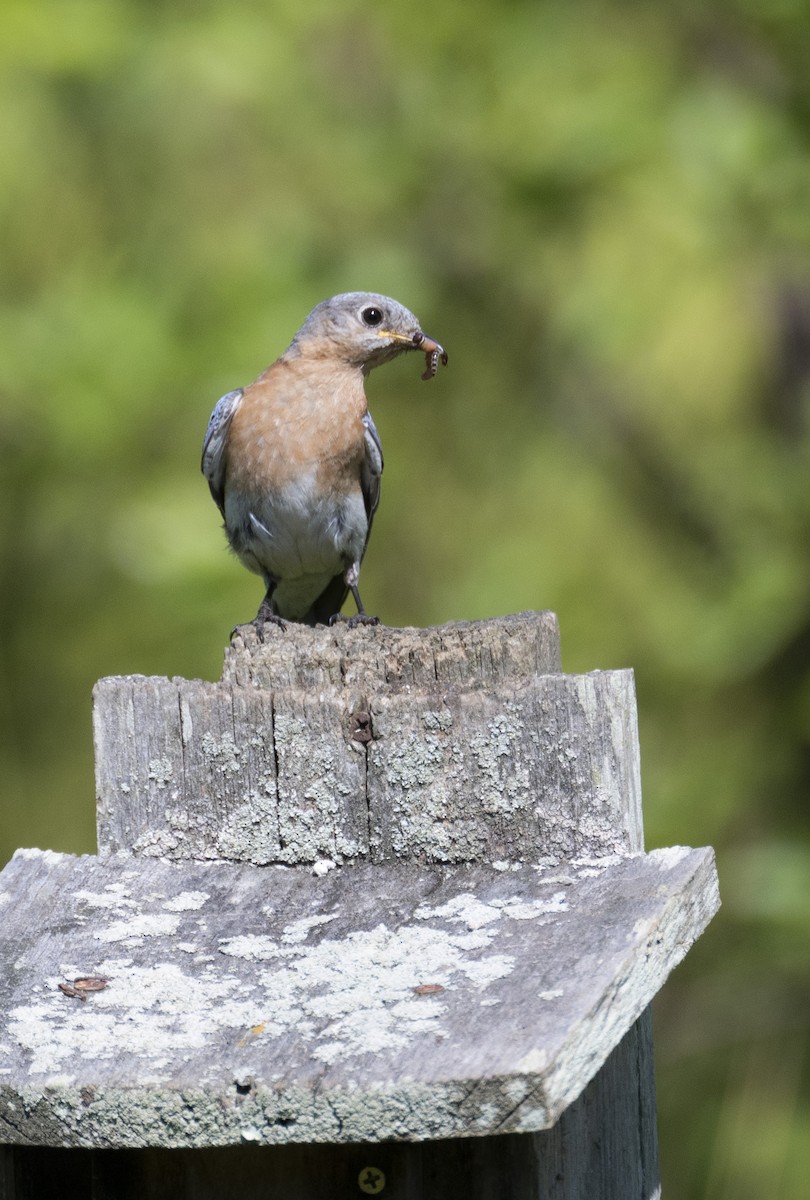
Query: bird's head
{"type": "Point", "coordinates": [365, 330]}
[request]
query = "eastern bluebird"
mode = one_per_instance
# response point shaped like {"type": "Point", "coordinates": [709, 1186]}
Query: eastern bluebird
{"type": "Point", "coordinates": [294, 460]}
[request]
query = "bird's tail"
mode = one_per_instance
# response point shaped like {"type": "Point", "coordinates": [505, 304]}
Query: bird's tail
{"type": "Point", "coordinates": [328, 604]}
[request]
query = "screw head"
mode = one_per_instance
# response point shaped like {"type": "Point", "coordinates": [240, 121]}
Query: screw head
{"type": "Point", "coordinates": [371, 1180]}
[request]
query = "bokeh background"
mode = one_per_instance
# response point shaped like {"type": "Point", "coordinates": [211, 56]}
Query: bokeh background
{"type": "Point", "coordinates": [603, 211]}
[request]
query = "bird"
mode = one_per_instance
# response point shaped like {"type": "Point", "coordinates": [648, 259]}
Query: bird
{"type": "Point", "coordinates": [294, 461]}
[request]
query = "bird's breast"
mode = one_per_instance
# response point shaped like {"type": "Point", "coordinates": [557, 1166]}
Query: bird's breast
{"type": "Point", "coordinates": [293, 497]}
{"type": "Point", "coordinates": [295, 423]}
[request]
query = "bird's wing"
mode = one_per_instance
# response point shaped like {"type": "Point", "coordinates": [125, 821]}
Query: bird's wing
{"type": "Point", "coordinates": [372, 468]}
{"type": "Point", "coordinates": [216, 439]}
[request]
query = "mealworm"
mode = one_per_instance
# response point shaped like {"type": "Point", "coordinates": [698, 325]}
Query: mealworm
{"type": "Point", "coordinates": [432, 362]}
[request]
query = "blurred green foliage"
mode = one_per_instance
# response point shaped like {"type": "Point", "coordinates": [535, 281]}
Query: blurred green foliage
{"type": "Point", "coordinates": [601, 209]}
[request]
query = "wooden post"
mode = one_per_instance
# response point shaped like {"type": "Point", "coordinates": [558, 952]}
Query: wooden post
{"type": "Point", "coordinates": [374, 917]}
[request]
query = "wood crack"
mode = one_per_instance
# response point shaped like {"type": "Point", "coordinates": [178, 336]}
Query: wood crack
{"type": "Point", "coordinates": [183, 770]}
{"type": "Point", "coordinates": [277, 772]}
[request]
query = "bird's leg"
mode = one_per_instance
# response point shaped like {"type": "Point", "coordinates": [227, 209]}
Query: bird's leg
{"type": "Point", "coordinates": [265, 615]}
{"type": "Point", "coordinates": [361, 617]}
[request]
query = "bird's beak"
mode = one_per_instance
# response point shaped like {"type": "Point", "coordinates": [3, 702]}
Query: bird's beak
{"type": "Point", "coordinates": [433, 351]}
{"type": "Point", "coordinates": [415, 341]}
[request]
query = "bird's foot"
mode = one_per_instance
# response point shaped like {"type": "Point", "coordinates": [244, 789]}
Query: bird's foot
{"type": "Point", "coordinates": [261, 622]}
{"type": "Point", "coordinates": [360, 618]}
{"type": "Point", "coordinates": [263, 618]}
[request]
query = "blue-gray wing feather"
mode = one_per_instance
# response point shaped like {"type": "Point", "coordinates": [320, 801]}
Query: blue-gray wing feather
{"type": "Point", "coordinates": [215, 443]}
{"type": "Point", "coordinates": [371, 469]}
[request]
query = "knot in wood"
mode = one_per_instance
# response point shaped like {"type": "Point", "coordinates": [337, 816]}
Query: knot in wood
{"type": "Point", "coordinates": [360, 729]}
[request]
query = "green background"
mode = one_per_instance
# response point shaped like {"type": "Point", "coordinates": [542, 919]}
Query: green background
{"type": "Point", "coordinates": [603, 211]}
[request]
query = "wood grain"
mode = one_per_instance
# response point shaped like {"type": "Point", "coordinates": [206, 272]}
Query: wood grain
{"type": "Point", "coordinates": [472, 747]}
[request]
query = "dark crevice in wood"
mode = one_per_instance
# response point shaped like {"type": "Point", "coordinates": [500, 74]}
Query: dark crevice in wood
{"type": "Point", "coordinates": [279, 836]}
{"type": "Point", "coordinates": [183, 773]}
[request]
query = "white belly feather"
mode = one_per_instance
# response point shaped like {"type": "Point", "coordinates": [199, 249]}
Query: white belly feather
{"type": "Point", "coordinates": [298, 536]}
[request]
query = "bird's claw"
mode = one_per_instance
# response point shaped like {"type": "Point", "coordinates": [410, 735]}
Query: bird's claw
{"type": "Point", "coordinates": [258, 623]}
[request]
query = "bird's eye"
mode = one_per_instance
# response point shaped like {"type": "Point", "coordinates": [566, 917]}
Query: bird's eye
{"type": "Point", "coordinates": [371, 316]}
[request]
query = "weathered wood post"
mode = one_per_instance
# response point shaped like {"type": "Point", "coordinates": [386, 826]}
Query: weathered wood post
{"type": "Point", "coordinates": [374, 918]}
